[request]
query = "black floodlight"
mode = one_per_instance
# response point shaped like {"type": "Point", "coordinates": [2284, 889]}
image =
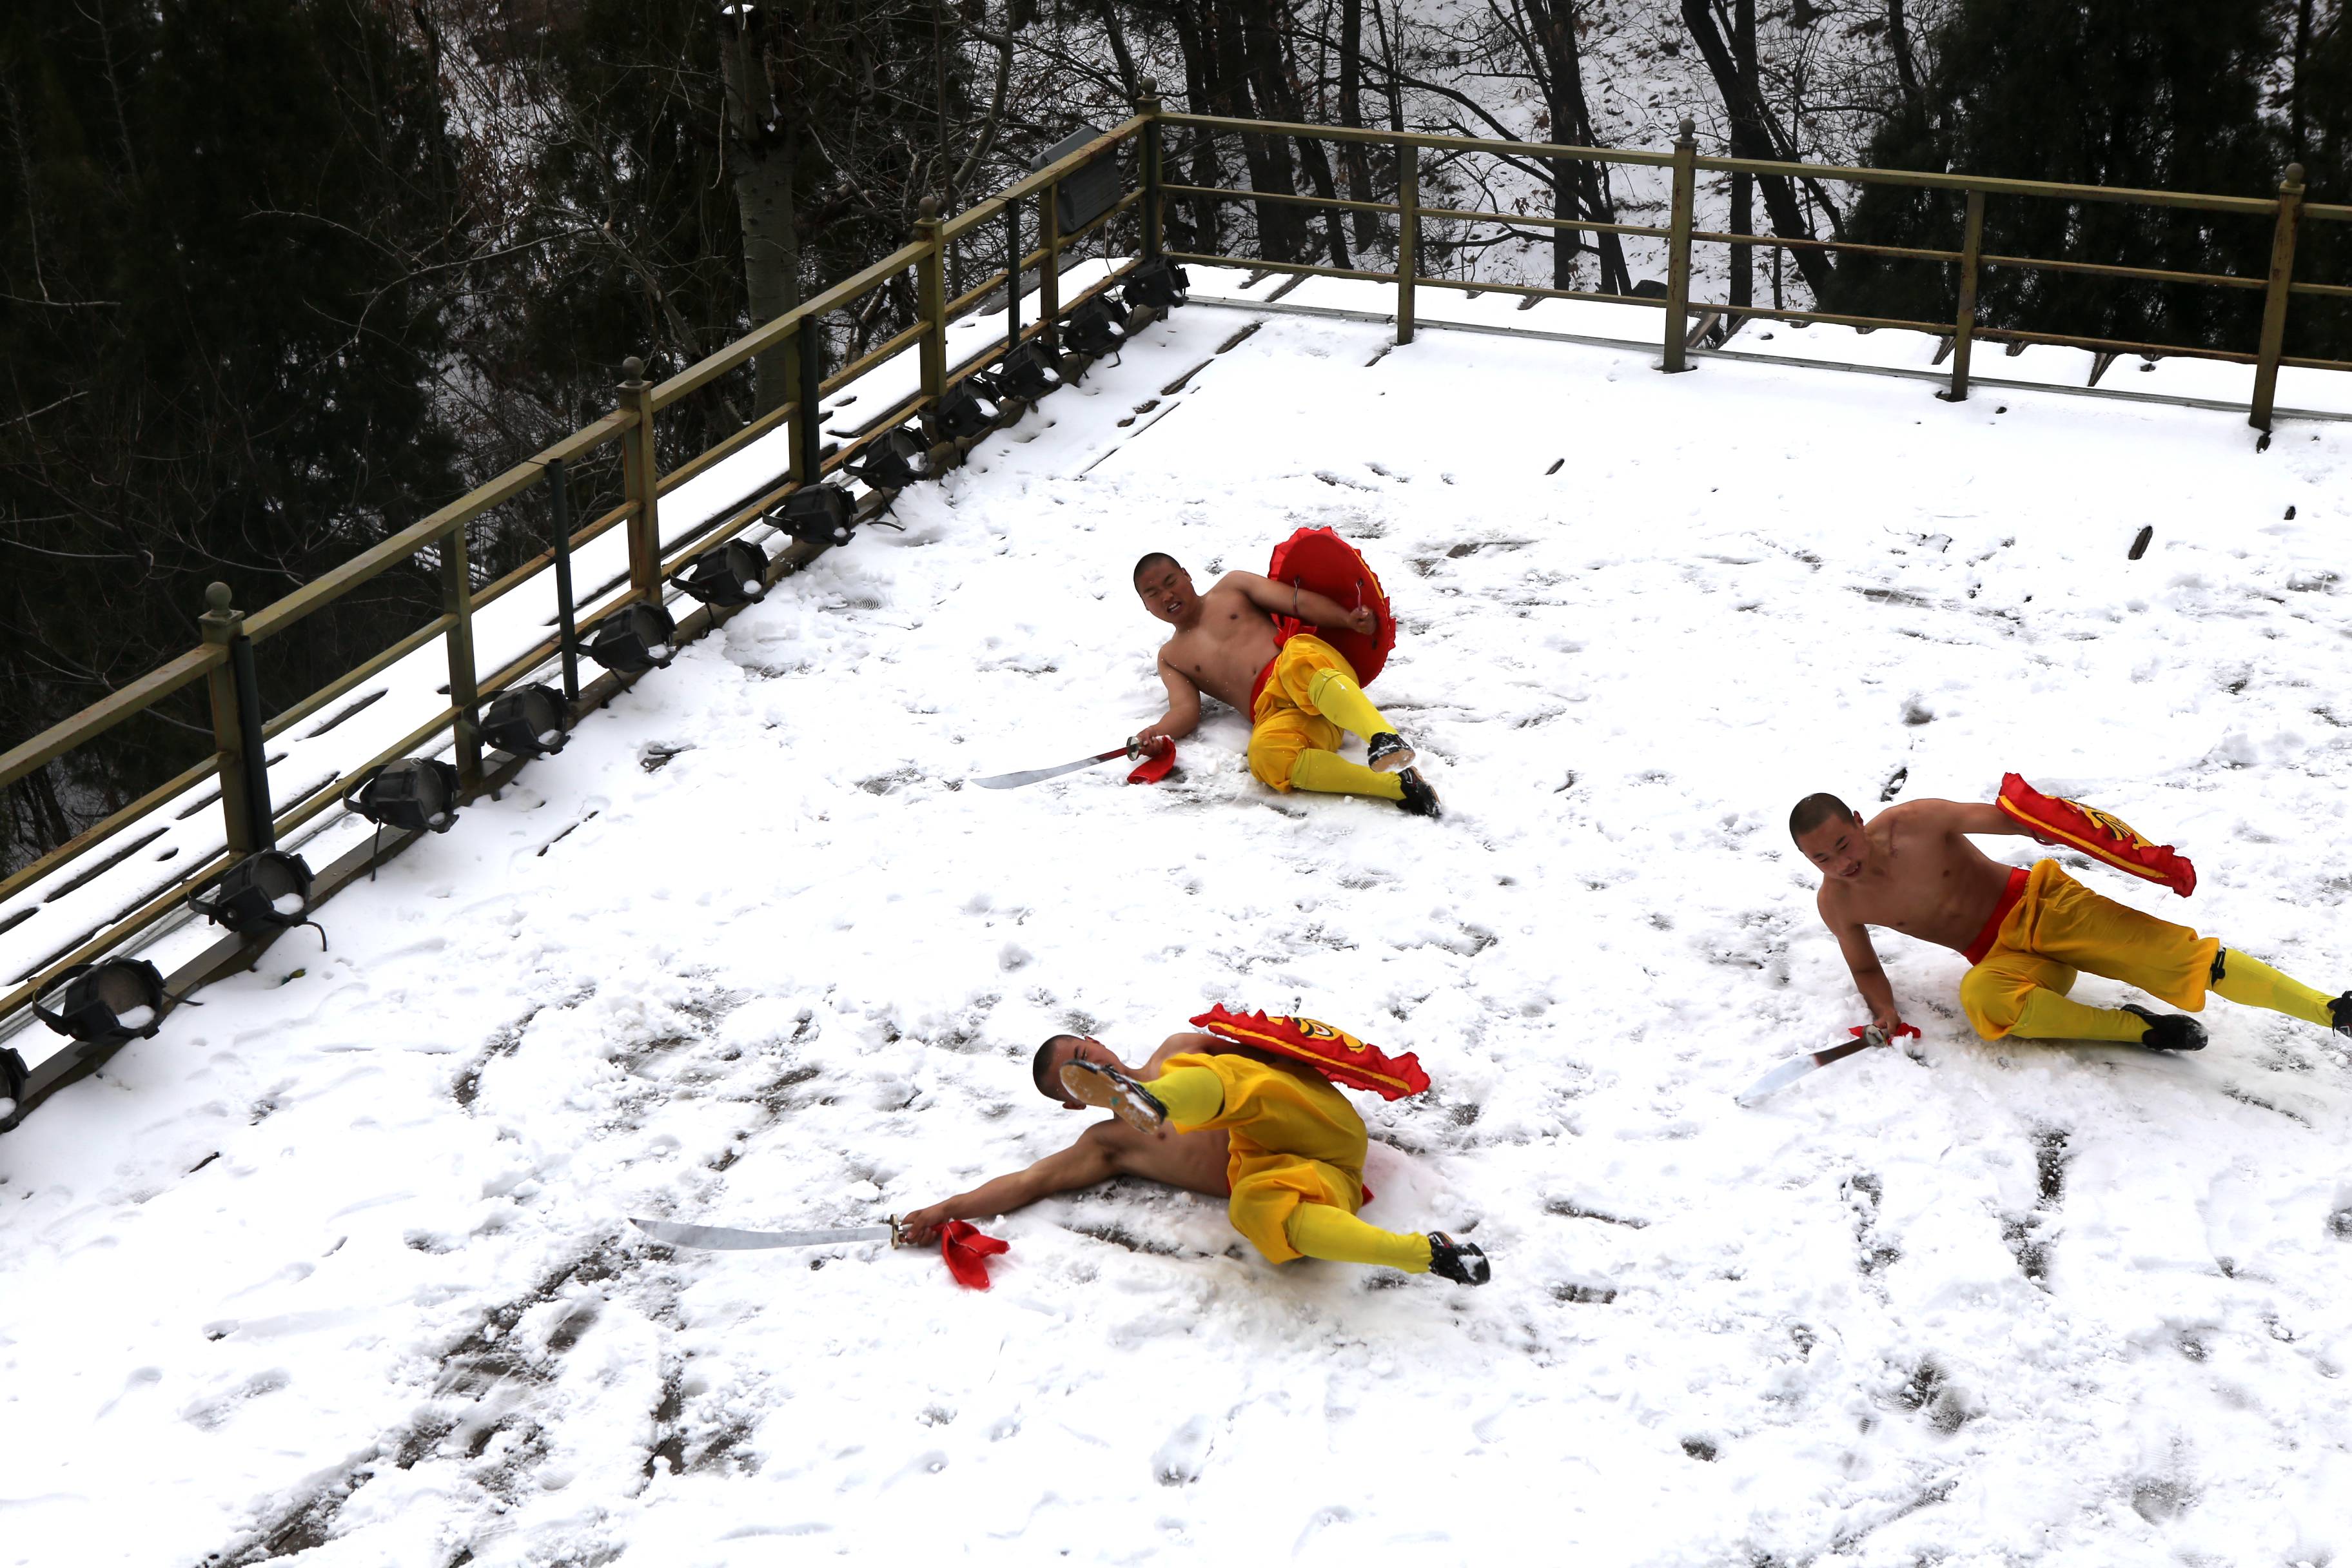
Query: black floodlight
{"type": "Point", "coordinates": [817, 514]}
{"type": "Point", "coordinates": [1029, 371]}
{"type": "Point", "coordinates": [735, 573]}
{"type": "Point", "coordinates": [526, 721]}
{"type": "Point", "coordinates": [968, 411]}
{"type": "Point", "coordinates": [262, 893]}
{"type": "Point", "coordinates": [1090, 190]}
{"type": "Point", "coordinates": [633, 640]}
{"type": "Point", "coordinates": [416, 795]}
{"type": "Point", "coordinates": [12, 1079]}
{"type": "Point", "coordinates": [1159, 283]}
{"type": "Point", "coordinates": [895, 461]}
{"type": "Point", "coordinates": [106, 1004]}
{"type": "Point", "coordinates": [1093, 330]}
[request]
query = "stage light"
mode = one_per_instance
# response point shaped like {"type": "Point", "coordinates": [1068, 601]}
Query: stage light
{"type": "Point", "coordinates": [1029, 371]}
{"type": "Point", "coordinates": [966, 412]}
{"type": "Point", "coordinates": [736, 572]}
{"type": "Point", "coordinates": [12, 1079]}
{"type": "Point", "coordinates": [526, 721]}
{"type": "Point", "coordinates": [633, 640]}
{"type": "Point", "coordinates": [894, 462]}
{"type": "Point", "coordinates": [416, 794]}
{"type": "Point", "coordinates": [1088, 191]}
{"type": "Point", "coordinates": [264, 892]}
{"type": "Point", "coordinates": [1093, 330]}
{"type": "Point", "coordinates": [1159, 283]}
{"type": "Point", "coordinates": [817, 514]}
{"type": "Point", "coordinates": [106, 1003]}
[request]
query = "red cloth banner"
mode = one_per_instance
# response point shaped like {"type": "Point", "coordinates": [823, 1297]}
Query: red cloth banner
{"type": "Point", "coordinates": [967, 1252]}
{"type": "Point", "coordinates": [2103, 838]}
{"type": "Point", "coordinates": [1338, 1054]}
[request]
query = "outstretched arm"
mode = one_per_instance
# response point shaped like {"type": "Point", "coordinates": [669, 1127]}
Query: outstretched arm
{"type": "Point", "coordinates": [1090, 1160]}
{"type": "Point", "coordinates": [1869, 978]}
{"type": "Point", "coordinates": [1300, 603]}
{"type": "Point", "coordinates": [1965, 816]}
{"type": "Point", "coordinates": [1183, 715]}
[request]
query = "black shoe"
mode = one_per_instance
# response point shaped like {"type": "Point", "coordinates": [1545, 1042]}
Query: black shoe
{"type": "Point", "coordinates": [1419, 799]}
{"type": "Point", "coordinates": [1107, 1088]}
{"type": "Point", "coordinates": [1457, 1260]}
{"type": "Point", "coordinates": [1388, 753]}
{"type": "Point", "coordinates": [2339, 1014]}
{"type": "Point", "coordinates": [2168, 1031]}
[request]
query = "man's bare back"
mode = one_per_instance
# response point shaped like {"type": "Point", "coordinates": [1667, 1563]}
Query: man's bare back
{"type": "Point", "coordinates": [1196, 1161]}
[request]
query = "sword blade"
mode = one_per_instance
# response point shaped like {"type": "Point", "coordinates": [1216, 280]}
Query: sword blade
{"type": "Point", "coordinates": [1035, 776]}
{"type": "Point", "coordinates": [1789, 1071]}
{"type": "Point", "coordinates": [720, 1239]}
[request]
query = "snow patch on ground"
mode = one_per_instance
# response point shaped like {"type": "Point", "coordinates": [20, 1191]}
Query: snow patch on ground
{"type": "Point", "coordinates": [336, 1270]}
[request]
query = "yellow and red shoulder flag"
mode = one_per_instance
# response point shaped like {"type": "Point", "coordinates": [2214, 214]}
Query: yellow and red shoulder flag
{"type": "Point", "coordinates": [2095, 833]}
{"type": "Point", "coordinates": [1335, 1053]}
{"type": "Point", "coordinates": [1319, 561]}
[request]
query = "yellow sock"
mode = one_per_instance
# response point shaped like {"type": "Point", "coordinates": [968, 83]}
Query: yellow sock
{"type": "Point", "coordinates": [2047, 1015]}
{"type": "Point", "coordinates": [1329, 772]}
{"type": "Point", "coordinates": [1320, 1230]}
{"type": "Point", "coordinates": [1341, 701]}
{"type": "Point", "coordinates": [2251, 983]}
{"type": "Point", "coordinates": [1193, 1095]}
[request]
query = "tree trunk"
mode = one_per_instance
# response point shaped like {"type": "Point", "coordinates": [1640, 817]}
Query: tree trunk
{"type": "Point", "coordinates": [763, 145]}
{"type": "Point", "coordinates": [1745, 107]}
{"type": "Point", "coordinates": [1353, 156]}
{"type": "Point", "coordinates": [1270, 77]}
{"type": "Point", "coordinates": [1204, 94]}
{"type": "Point", "coordinates": [1743, 145]}
{"type": "Point", "coordinates": [1281, 230]}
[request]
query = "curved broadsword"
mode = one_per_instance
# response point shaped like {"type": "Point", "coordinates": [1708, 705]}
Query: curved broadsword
{"type": "Point", "coordinates": [720, 1239]}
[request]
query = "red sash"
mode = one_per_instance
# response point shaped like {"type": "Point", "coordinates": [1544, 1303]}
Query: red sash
{"type": "Point", "coordinates": [1336, 1054]}
{"type": "Point", "coordinates": [1991, 932]}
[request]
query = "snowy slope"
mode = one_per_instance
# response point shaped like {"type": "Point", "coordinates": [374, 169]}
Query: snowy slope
{"type": "Point", "coordinates": [333, 1271]}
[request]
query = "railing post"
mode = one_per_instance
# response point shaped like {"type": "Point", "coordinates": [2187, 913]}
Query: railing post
{"type": "Point", "coordinates": [932, 299]}
{"type": "Point", "coordinates": [1407, 236]}
{"type": "Point", "coordinates": [1012, 276]}
{"type": "Point", "coordinates": [2274, 298]}
{"type": "Point", "coordinates": [559, 503]}
{"type": "Point", "coordinates": [641, 479]}
{"type": "Point", "coordinates": [237, 728]}
{"type": "Point", "coordinates": [1964, 326]}
{"type": "Point", "coordinates": [457, 604]}
{"type": "Point", "coordinates": [1147, 103]}
{"type": "Point", "coordinates": [808, 429]}
{"type": "Point", "coordinates": [1049, 275]}
{"type": "Point", "coordinates": [1678, 244]}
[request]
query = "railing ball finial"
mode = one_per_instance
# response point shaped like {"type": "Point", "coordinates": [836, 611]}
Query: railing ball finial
{"type": "Point", "coordinates": [632, 369]}
{"type": "Point", "coordinates": [928, 210]}
{"type": "Point", "coordinates": [1147, 89]}
{"type": "Point", "coordinates": [1687, 133]}
{"type": "Point", "coordinates": [2295, 173]}
{"type": "Point", "coordinates": [216, 598]}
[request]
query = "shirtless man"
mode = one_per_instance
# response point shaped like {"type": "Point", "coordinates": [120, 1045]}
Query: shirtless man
{"type": "Point", "coordinates": [1299, 698]}
{"type": "Point", "coordinates": [2025, 934]}
{"type": "Point", "coordinates": [1281, 1146]}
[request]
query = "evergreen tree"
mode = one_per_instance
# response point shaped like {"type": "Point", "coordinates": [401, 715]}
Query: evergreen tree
{"type": "Point", "coordinates": [2156, 94]}
{"type": "Point", "coordinates": [215, 217]}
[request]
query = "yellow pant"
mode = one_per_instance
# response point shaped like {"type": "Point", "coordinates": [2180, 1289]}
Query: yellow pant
{"type": "Point", "coordinates": [1289, 719]}
{"type": "Point", "coordinates": [1289, 1141]}
{"type": "Point", "coordinates": [2059, 928]}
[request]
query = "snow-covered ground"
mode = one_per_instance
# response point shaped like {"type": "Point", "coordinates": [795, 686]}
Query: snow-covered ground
{"type": "Point", "coordinates": [334, 1270]}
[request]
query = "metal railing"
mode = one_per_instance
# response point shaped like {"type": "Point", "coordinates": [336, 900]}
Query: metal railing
{"type": "Point", "coordinates": [2288, 211]}
{"type": "Point", "coordinates": [251, 822]}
